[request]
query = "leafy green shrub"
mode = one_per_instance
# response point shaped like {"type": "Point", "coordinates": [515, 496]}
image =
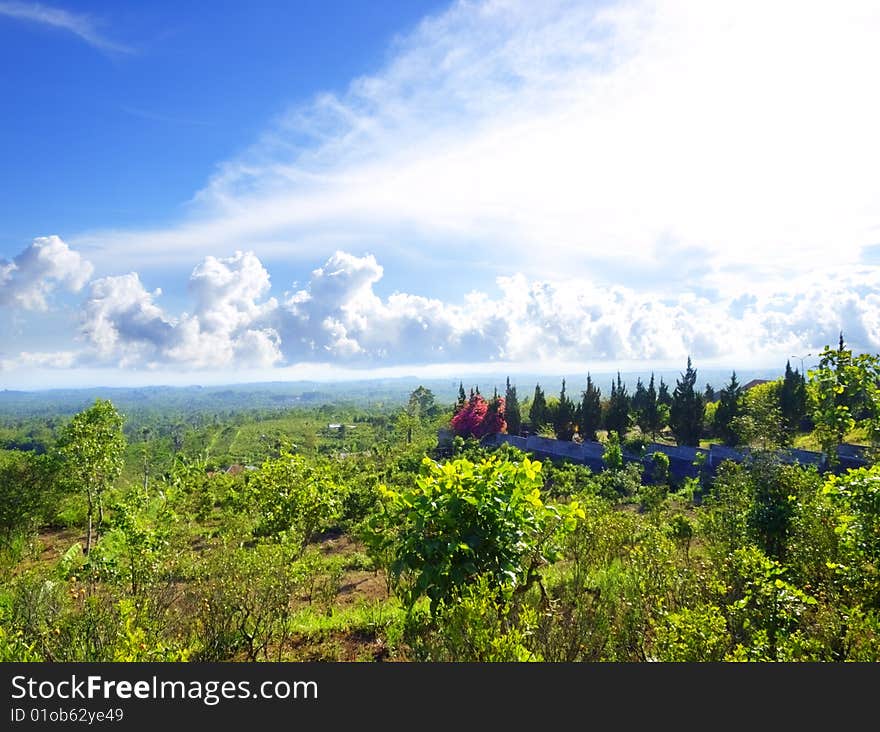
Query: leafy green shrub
{"type": "Point", "coordinates": [293, 497]}
{"type": "Point", "coordinates": [566, 479]}
{"type": "Point", "coordinates": [636, 443]}
{"type": "Point", "coordinates": [26, 492]}
{"type": "Point", "coordinates": [765, 610]}
{"type": "Point", "coordinates": [462, 521]}
{"type": "Point", "coordinates": [241, 602]}
{"type": "Point", "coordinates": [613, 454]}
{"type": "Point", "coordinates": [855, 496]}
{"type": "Point", "coordinates": [659, 467]}
{"type": "Point", "coordinates": [682, 531]}
{"type": "Point", "coordinates": [692, 634]}
{"type": "Point", "coordinates": [620, 483]}
{"type": "Point", "coordinates": [479, 626]}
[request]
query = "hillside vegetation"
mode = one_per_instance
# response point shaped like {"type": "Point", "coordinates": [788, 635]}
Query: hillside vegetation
{"type": "Point", "coordinates": [342, 532]}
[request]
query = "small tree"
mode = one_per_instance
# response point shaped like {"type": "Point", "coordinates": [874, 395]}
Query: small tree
{"type": "Point", "coordinates": [845, 391]}
{"type": "Point", "coordinates": [664, 405]}
{"type": "Point", "coordinates": [91, 449]}
{"type": "Point", "coordinates": [563, 418]}
{"type": "Point", "coordinates": [462, 398]}
{"type": "Point", "coordinates": [422, 404]}
{"type": "Point", "coordinates": [293, 498]}
{"type": "Point", "coordinates": [539, 415]}
{"type": "Point", "coordinates": [590, 412]}
{"type": "Point", "coordinates": [464, 521]}
{"type": "Point", "coordinates": [792, 401]}
{"type": "Point", "coordinates": [649, 418]}
{"type": "Point", "coordinates": [511, 410]}
{"type": "Point", "coordinates": [727, 411]}
{"type": "Point", "coordinates": [663, 396]}
{"type": "Point", "coordinates": [709, 394]}
{"type": "Point", "coordinates": [618, 409]}
{"type": "Point", "coordinates": [759, 422]}
{"type": "Point", "coordinates": [687, 409]}
{"type": "Point", "coordinates": [468, 421]}
{"type": "Point", "coordinates": [479, 417]}
{"type": "Point", "coordinates": [638, 401]}
{"type": "Point", "coordinates": [612, 456]}
{"type": "Point", "coordinates": [495, 421]}
{"type": "Point", "coordinates": [26, 482]}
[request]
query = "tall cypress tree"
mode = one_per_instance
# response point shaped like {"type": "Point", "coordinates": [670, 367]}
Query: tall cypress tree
{"type": "Point", "coordinates": [590, 413]}
{"type": "Point", "coordinates": [462, 398]}
{"type": "Point", "coordinates": [792, 401]}
{"type": "Point", "coordinates": [708, 394]}
{"type": "Point", "coordinates": [511, 410]}
{"type": "Point", "coordinates": [663, 396]}
{"type": "Point", "coordinates": [651, 414]}
{"type": "Point", "coordinates": [563, 419]}
{"type": "Point", "coordinates": [728, 411]}
{"type": "Point", "coordinates": [538, 411]}
{"type": "Point", "coordinates": [687, 409]}
{"type": "Point", "coordinates": [638, 402]}
{"type": "Point", "coordinates": [618, 409]}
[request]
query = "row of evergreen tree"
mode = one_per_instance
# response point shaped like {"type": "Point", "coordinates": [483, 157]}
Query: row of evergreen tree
{"type": "Point", "coordinates": [651, 408]}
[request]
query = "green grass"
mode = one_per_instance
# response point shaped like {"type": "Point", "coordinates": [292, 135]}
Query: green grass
{"type": "Point", "coordinates": [373, 616]}
{"type": "Point", "coordinates": [809, 441]}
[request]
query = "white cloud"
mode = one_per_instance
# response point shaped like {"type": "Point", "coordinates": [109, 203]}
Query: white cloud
{"type": "Point", "coordinates": [644, 180]}
{"type": "Point", "coordinates": [227, 292]}
{"type": "Point", "coordinates": [29, 360]}
{"type": "Point", "coordinates": [338, 318]}
{"type": "Point", "coordinates": [35, 272]}
{"type": "Point", "coordinates": [811, 311]}
{"type": "Point", "coordinates": [121, 319]}
{"type": "Point", "coordinates": [598, 134]}
{"type": "Point", "coordinates": [124, 325]}
{"type": "Point", "coordinates": [80, 25]}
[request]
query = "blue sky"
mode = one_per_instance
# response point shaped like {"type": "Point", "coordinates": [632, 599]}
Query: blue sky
{"type": "Point", "coordinates": [123, 129]}
{"type": "Point", "coordinates": [300, 189]}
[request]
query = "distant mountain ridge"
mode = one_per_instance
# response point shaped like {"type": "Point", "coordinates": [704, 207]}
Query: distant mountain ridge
{"type": "Point", "coordinates": [363, 392]}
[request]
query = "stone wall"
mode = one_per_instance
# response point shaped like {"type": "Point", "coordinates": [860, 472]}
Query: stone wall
{"type": "Point", "coordinates": [681, 458]}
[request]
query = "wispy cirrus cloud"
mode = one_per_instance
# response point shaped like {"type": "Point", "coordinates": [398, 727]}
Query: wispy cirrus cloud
{"type": "Point", "coordinates": [83, 26]}
{"type": "Point", "coordinates": [599, 133]}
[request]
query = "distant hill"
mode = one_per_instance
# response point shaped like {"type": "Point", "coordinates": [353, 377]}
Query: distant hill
{"type": "Point", "coordinates": [385, 392]}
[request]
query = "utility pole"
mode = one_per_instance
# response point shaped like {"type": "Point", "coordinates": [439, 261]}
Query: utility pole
{"type": "Point", "coordinates": [806, 355]}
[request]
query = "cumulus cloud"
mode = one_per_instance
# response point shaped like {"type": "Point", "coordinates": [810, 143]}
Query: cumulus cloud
{"type": "Point", "coordinates": [122, 320]}
{"type": "Point", "coordinates": [338, 318]}
{"type": "Point", "coordinates": [123, 323]}
{"type": "Point", "coordinates": [34, 273]}
{"type": "Point", "coordinates": [227, 292]}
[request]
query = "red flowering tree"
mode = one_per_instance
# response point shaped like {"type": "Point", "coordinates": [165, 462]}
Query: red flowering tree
{"type": "Point", "coordinates": [479, 417]}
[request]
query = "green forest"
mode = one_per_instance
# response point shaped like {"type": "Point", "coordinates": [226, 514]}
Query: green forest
{"type": "Point", "coordinates": [337, 531]}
